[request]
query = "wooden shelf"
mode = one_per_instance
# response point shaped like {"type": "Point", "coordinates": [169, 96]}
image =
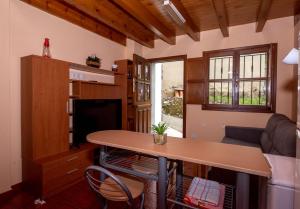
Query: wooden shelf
{"type": "Point", "coordinates": [91, 69]}
{"type": "Point", "coordinates": [94, 82]}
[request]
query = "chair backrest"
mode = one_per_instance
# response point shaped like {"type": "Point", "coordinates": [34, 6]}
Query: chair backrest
{"type": "Point", "coordinates": [97, 179]}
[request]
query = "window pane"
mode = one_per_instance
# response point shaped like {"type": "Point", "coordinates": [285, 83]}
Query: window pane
{"type": "Point", "coordinates": [253, 65]}
{"type": "Point", "coordinates": [252, 93]}
{"type": "Point", "coordinates": [220, 93]}
{"type": "Point", "coordinates": [220, 67]}
{"type": "Point", "coordinates": [212, 68]}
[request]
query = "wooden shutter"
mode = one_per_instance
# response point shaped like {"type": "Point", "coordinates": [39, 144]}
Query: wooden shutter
{"type": "Point", "coordinates": [195, 81]}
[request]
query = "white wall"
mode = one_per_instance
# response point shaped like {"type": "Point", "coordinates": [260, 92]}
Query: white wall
{"type": "Point", "coordinates": [209, 125]}
{"type": "Point", "coordinates": [23, 29]}
{"type": "Point", "coordinates": [5, 154]}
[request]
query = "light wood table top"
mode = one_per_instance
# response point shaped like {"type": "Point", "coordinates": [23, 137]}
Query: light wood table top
{"type": "Point", "coordinates": [232, 157]}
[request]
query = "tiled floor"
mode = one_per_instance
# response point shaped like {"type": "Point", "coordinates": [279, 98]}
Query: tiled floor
{"type": "Point", "coordinates": [78, 196]}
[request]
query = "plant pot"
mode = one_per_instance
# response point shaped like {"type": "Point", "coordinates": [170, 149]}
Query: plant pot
{"type": "Point", "coordinates": [93, 64]}
{"type": "Point", "coordinates": [160, 139]}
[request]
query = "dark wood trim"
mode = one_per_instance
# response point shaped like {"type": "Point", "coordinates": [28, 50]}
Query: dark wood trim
{"type": "Point", "coordinates": [141, 13]}
{"type": "Point", "coordinates": [168, 59]}
{"type": "Point", "coordinates": [273, 68]}
{"type": "Point", "coordinates": [190, 28]}
{"type": "Point", "coordinates": [57, 8]}
{"type": "Point", "coordinates": [113, 16]}
{"type": "Point", "coordinates": [243, 108]}
{"type": "Point", "coordinates": [262, 14]}
{"type": "Point", "coordinates": [177, 58]}
{"type": "Point", "coordinates": [236, 52]}
{"type": "Point", "coordinates": [221, 13]}
{"type": "Point", "coordinates": [91, 69]}
{"type": "Point", "coordinates": [222, 52]}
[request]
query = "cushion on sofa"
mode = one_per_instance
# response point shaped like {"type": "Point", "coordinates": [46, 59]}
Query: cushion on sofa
{"type": "Point", "coordinates": [265, 142]}
{"type": "Point", "coordinates": [284, 139]}
{"type": "Point", "coordinates": [228, 140]}
{"type": "Point", "coordinates": [273, 122]}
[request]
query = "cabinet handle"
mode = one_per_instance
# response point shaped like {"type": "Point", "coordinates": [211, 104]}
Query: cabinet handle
{"type": "Point", "coordinates": [67, 107]}
{"type": "Point", "coordinates": [72, 171]}
{"type": "Point", "coordinates": [72, 158]}
{"type": "Point", "coordinates": [133, 85]}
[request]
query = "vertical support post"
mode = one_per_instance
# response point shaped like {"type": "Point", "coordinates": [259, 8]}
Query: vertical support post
{"type": "Point", "coordinates": [179, 181]}
{"type": "Point", "coordinates": [242, 191]}
{"type": "Point", "coordinates": [262, 192]}
{"type": "Point", "coordinates": [102, 177]}
{"type": "Point", "coordinates": [162, 183]}
{"type": "Point", "coordinates": [101, 158]}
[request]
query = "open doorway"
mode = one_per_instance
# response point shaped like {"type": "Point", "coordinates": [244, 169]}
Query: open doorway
{"type": "Point", "coordinates": [168, 95]}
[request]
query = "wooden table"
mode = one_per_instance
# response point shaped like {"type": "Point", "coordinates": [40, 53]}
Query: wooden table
{"type": "Point", "coordinates": [244, 160]}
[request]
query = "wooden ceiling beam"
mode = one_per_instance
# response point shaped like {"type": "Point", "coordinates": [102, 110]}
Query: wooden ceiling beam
{"type": "Point", "coordinates": [189, 26]}
{"type": "Point", "coordinates": [220, 9]}
{"type": "Point", "coordinates": [108, 13]}
{"type": "Point", "coordinates": [55, 7]}
{"type": "Point", "coordinates": [262, 14]}
{"type": "Point", "coordinates": [140, 12]}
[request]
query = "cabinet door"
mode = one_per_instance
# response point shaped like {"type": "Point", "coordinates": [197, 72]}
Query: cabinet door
{"type": "Point", "coordinates": [50, 92]}
{"type": "Point", "coordinates": [143, 118]}
{"type": "Point", "coordinates": [141, 80]}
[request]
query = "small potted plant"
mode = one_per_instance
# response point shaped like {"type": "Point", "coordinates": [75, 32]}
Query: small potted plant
{"type": "Point", "coordinates": [160, 137]}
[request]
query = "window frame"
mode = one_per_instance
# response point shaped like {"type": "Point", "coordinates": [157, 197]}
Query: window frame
{"type": "Point", "coordinates": [270, 106]}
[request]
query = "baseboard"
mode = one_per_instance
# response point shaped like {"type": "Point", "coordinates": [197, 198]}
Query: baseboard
{"type": "Point", "coordinates": [15, 189]}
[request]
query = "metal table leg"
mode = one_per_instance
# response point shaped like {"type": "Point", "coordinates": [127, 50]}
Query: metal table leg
{"type": "Point", "coordinates": [162, 183]}
{"type": "Point", "coordinates": [262, 192]}
{"type": "Point", "coordinates": [102, 177]}
{"type": "Point", "coordinates": [242, 191]}
{"type": "Point", "coordinates": [179, 181]}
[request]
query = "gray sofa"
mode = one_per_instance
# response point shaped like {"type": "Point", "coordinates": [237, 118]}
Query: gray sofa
{"type": "Point", "coordinates": [279, 136]}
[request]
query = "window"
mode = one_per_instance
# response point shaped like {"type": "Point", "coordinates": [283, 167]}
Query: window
{"type": "Point", "coordinates": [241, 79]}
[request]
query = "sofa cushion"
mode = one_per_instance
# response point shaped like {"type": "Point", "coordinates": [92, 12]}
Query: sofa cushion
{"type": "Point", "coordinates": [284, 139]}
{"type": "Point", "coordinates": [273, 122]}
{"type": "Point", "coordinates": [228, 140]}
{"type": "Point", "coordinates": [265, 142]}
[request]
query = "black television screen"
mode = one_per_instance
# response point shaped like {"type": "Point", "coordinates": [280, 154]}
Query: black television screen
{"type": "Point", "coordinates": [90, 115]}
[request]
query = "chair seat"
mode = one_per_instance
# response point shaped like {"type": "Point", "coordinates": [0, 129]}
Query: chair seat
{"type": "Point", "coordinates": [110, 190]}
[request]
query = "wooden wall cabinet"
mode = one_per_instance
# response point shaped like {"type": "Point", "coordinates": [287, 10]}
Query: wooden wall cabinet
{"type": "Point", "coordinates": [48, 163]}
{"type": "Point", "coordinates": [44, 113]}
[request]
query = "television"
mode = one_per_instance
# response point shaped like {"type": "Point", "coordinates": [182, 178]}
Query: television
{"type": "Point", "coordinates": [90, 115]}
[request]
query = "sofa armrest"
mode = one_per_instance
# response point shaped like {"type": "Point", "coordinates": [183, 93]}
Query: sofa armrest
{"type": "Point", "coordinates": [247, 134]}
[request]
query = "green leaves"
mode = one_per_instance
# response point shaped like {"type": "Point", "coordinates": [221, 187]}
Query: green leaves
{"type": "Point", "coordinates": [160, 128]}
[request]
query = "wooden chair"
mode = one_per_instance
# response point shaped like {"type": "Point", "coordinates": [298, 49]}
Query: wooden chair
{"type": "Point", "coordinates": [113, 187]}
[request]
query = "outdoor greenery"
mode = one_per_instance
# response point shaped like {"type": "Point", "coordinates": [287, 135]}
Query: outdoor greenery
{"type": "Point", "coordinates": [246, 101]}
{"type": "Point", "coordinates": [160, 128]}
{"type": "Point", "coordinates": [173, 106]}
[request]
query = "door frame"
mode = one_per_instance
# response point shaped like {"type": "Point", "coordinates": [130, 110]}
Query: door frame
{"type": "Point", "coordinates": [172, 59]}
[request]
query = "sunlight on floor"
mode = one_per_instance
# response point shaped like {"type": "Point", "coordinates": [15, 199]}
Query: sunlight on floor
{"type": "Point", "coordinates": [174, 133]}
